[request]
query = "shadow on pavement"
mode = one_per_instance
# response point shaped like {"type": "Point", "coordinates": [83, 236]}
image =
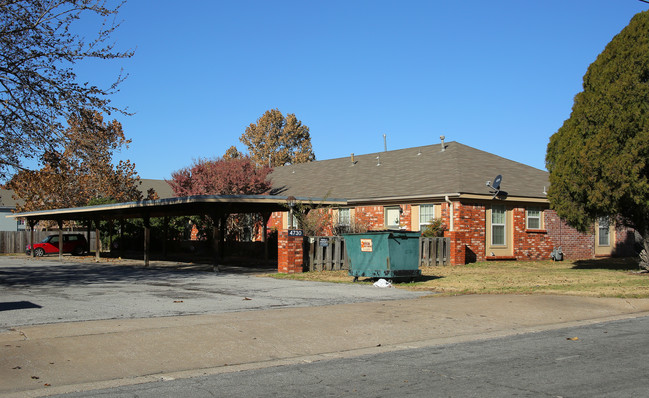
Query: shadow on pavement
{"type": "Point", "coordinates": [18, 305]}
{"type": "Point", "coordinates": [67, 274]}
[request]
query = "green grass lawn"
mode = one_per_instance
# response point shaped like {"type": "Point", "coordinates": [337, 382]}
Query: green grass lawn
{"type": "Point", "coordinates": [610, 277]}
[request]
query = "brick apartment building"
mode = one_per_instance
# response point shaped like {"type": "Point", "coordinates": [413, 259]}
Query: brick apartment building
{"type": "Point", "coordinates": [407, 188]}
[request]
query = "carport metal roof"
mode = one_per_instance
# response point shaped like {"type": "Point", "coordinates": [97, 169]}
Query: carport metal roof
{"type": "Point", "coordinates": [183, 206]}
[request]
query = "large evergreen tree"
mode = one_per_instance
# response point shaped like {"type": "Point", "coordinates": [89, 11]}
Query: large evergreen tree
{"type": "Point", "coordinates": [598, 159]}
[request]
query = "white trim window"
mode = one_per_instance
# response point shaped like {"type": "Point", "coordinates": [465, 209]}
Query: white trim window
{"type": "Point", "coordinates": [533, 218]}
{"type": "Point", "coordinates": [498, 225]}
{"type": "Point", "coordinates": [344, 217]}
{"type": "Point", "coordinates": [604, 236]}
{"type": "Point", "coordinates": [426, 214]}
{"type": "Point", "coordinates": [296, 224]}
{"type": "Point", "coordinates": [392, 217]}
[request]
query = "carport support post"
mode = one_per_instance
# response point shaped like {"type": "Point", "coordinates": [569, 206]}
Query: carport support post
{"type": "Point", "coordinates": [216, 239]}
{"type": "Point", "coordinates": [97, 241]}
{"type": "Point", "coordinates": [32, 225]}
{"type": "Point", "coordinates": [121, 238]}
{"type": "Point", "coordinates": [147, 239]}
{"type": "Point", "coordinates": [264, 234]}
{"type": "Point", "coordinates": [60, 223]}
{"type": "Point", "coordinates": [110, 235]}
{"type": "Point", "coordinates": [165, 232]}
{"type": "Point", "coordinates": [222, 231]}
{"type": "Point", "coordinates": [88, 228]}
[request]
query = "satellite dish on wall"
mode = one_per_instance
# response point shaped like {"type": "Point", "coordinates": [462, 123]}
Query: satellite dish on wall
{"type": "Point", "coordinates": [496, 187]}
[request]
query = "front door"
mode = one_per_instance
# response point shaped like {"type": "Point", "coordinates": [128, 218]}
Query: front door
{"type": "Point", "coordinates": [604, 237]}
{"type": "Point", "coordinates": [499, 236]}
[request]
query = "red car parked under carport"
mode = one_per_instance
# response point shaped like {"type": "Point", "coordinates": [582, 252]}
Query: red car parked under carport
{"type": "Point", "coordinates": [72, 243]}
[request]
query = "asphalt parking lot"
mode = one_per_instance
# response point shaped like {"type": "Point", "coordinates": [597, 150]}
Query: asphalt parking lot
{"type": "Point", "coordinates": [43, 291]}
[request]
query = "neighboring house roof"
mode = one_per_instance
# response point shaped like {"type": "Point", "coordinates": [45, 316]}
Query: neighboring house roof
{"type": "Point", "coordinates": [7, 200]}
{"type": "Point", "coordinates": [162, 188]}
{"type": "Point", "coordinates": [425, 171]}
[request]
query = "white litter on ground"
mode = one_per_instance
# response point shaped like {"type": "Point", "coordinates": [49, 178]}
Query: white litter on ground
{"type": "Point", "coordinates": [382, 283]}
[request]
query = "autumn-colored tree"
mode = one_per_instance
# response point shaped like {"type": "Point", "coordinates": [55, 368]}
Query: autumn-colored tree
{"type": "Point", "coordinates": [236, 176]}
{"type": "Point", "coordinates": [232, 153]}
{"type": "Point", "coordinates": [40, 44]}
{"type": "Point", "coordinates": [83, 171]}
{"type": "Point", "coordinates": [221, 177]}
{"type": "Point", "coordinates": [276, 140]}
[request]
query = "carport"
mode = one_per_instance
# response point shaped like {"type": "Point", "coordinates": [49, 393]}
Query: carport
{"type": "Point", "coordinates": [218, 208]}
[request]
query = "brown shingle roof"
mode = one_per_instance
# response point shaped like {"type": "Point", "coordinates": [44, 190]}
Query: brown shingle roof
{"type": "Point", "coordinates": [7, 200]}
{"type": "Point", "coordinates": [162, 188]}
{"type": "Point", "coordinates": [420, 171]}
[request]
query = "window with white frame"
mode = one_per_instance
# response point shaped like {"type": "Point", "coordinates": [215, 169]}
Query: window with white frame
{"type": "Point", "coordinates": [295, 223]}
{"type": "Point", "coordinates": [392, 217]}
{"type": "Point", "coordinates": [604, 238]}
{"type": "Point", "coordinates": [533, 218]}
{"type": "Point", "coordinates": [426, 214]}
{"type": "Point", "coordinates": [344, 217]}
{"type": "Point", "coordinates": [498, 225]}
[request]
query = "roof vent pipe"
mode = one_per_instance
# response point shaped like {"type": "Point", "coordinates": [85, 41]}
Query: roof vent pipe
{"type": "Point", "coordinates": [353, 159]}
{"type": "Point", "coordinates": [442, 138]}
{"type": "Point", "coordinates": [385, 143]}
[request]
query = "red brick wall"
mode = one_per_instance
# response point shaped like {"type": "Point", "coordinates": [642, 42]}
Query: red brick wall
{"type": "Point", "coordinates": [405, 221]}
{"type": "Point", "coordinates": [529, 244]}
{"type": "Point", "coordinates": [290, 256]}
{"type": "Point", "coordinates": [574, 244]}
{"type": "Point", "coordinates": [624, 242]}
{"type": "Point", "coordinates": [372, 215]}
{"type": "Point", "coordinates": [275, 221]}
{"type": "Point", "coordinates": [469, 222]}
{"type": "Point", "coordinates": [469, 235]}
{"type": "Point", "coordinates": [458, 247]}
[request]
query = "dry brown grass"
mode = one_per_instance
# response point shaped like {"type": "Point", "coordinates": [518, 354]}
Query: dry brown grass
{"type": "Point", "coordinates": [600, 278]}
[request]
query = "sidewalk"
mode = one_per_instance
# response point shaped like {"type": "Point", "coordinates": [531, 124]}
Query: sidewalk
{"type": "Point", "coordinates": [65, 357]}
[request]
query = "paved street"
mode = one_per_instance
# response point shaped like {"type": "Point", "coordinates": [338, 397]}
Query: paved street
{"type": "Point", "coordinates": [606, 360]}
{"type": "Point", "coordinates": [43, 291]}
{"type": "Point", "coordinates": [85, 327]}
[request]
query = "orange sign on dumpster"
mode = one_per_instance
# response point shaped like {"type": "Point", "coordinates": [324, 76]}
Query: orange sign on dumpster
{"type": "Point", "coordinates": [366, 245]}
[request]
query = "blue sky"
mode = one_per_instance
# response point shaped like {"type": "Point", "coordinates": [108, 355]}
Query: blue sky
{"type": "Point", "coordinates": [499, 76]}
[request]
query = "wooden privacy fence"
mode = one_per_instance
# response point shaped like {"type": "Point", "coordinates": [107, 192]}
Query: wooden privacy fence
{"type": "Point", "coordinates": [17, 241]}
{"type": "Point", "coordinates": [327, 253]}
{"type": "Point", "coordinates": [434, 251]}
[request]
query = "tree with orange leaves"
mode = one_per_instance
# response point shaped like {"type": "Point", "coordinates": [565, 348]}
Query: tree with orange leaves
{"type": "Point", "coordinates": [82, 170]}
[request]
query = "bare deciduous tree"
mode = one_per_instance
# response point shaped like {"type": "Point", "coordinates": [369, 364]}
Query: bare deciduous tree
{"type": "Point", "coordinates": [40, 42]}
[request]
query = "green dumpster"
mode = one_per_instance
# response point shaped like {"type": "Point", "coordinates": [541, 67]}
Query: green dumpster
{"type": "Point", "coordinates": [383, 254]}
